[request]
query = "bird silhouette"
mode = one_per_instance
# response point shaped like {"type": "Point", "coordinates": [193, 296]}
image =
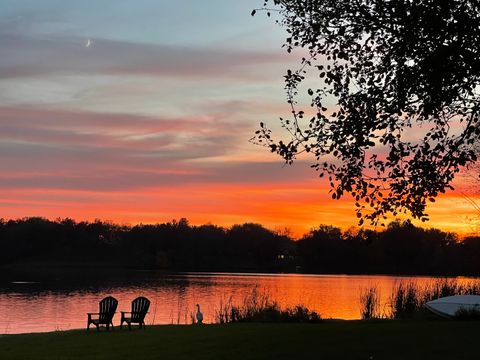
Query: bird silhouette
{"type": "Point", "coordinates": [199, 315]}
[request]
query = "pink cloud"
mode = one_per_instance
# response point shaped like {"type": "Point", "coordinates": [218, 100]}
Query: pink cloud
{"type": "Point", "coordinates": [27, 56]}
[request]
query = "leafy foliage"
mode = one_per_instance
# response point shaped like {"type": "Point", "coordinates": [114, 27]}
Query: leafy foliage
{"type": "Point", "coordinates": [405, 78]}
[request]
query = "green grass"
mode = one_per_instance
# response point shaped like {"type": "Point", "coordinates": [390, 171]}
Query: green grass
{"type": "Point", "coordinates": [380, 339]}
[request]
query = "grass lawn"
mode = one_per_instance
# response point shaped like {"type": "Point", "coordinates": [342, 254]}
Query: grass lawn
{"type": "Point", "coordinates": [425, 339]}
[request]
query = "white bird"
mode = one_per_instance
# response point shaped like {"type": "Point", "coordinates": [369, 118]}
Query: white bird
{"type": "Point", "coordinates": [88, 43]}
{"type": "Point", "coordinates": [199, 315]}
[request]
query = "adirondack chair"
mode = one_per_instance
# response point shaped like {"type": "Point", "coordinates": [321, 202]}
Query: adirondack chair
{"type": "Point", "coordinates": [137, 316]}
{"type": "Point", "coordinates": [107, 309]}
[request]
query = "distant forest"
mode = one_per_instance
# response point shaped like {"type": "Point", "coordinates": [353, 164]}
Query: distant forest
{"type": "Point", "coordinates": [400, 248]}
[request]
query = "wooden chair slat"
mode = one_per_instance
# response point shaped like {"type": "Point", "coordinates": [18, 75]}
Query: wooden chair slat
{"type": "Point", "coordinates": [140, 307]}
{"type": "Point", "coordinates": [107, 308]}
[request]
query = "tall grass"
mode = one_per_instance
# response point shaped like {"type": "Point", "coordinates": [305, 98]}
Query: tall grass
{"type": "Point", "coordinates": [370, 303]}
{"type": "Point", "coordinates": [259, 307]}
{"type": "Point", "coordinates": [408, 299]}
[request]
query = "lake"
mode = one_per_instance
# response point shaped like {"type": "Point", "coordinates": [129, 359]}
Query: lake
{"type": "Point", "coordinates": [34, 307]}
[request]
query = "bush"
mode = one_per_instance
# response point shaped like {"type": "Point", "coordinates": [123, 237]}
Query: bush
{"type": "Point", "coordinates": [258, 307]}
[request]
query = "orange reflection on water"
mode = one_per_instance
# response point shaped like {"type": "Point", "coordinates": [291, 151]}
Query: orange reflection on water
{"type": "Point", "coordinates": [27, 307]}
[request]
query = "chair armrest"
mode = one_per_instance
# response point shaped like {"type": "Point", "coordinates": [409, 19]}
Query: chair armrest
{"type": "Point", "coordinates": [125, 312]}
{"type": "Point", "coordinates": [93, 313]}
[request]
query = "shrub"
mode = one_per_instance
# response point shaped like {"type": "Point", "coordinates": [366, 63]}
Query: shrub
{"type": "Point", "coordinates": [258, 307]}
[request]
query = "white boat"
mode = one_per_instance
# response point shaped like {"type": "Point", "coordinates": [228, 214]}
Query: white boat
{"type": "Point", "coordinates": [449, 305]}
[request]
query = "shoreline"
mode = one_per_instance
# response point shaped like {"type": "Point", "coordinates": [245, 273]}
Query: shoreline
{"type": "Point", "coordinates": [117, 328]}
{"type": "Point", "coordinates": [79, 268]}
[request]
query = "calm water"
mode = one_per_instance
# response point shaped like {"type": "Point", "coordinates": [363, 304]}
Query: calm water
{"type": "Point", "coordinates": [30, 307]}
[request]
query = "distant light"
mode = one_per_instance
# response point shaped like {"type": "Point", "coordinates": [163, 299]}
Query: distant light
{"type": "Point", "coordinates": [410, 63]}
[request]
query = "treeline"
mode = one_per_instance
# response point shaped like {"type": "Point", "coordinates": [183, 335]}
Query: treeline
{"type": "Point", "coordinates": [401, 248]}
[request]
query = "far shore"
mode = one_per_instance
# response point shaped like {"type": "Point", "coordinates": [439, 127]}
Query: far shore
{"type": "Point", "coordinates": [52, 270]}
{"type": "Point", "coordinates": [332, 339]}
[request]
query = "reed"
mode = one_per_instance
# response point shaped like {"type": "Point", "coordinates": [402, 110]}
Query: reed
{"type": "Point", "coordinates": [405, 300]}
{"type": "Point", "coordinates": [408, 299]}
{"type": "Point", "coordinates": [259, 307]}
{"type": "Point", "coordinates": [370, 303]}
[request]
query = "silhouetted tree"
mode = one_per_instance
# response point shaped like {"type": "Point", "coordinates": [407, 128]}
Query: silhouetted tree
{"type": "Point", "coordinates": [406, 249]}
{"type": "Point", "coordinates": [401, 73]}
{"type": "Point", "coordinates": [253, 244]}
{"type": "Point", "coordinates": [470, 176]}
{"type": "Point", "coordinates": [401, 248]}
{"type": "Point", "coordinates": [470, 254]}
{"type": "Point", "coordinates": [210, 246]}
{"type": "Point", "coordinates": [323, 250]}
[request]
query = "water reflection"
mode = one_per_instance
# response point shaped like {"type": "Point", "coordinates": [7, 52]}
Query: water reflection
{"type": "Point", "coordinates": [36, 306]}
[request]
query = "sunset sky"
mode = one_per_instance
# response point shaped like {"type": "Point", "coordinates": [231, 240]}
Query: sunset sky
{"type": "Point", "coordinates": [141, 111]}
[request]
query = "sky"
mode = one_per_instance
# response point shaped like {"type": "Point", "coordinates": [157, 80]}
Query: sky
{"type": "Point", "coordinates": [141, 112]}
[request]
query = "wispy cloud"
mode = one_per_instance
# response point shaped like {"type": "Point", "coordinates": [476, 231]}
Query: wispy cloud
{"type": "Point", "coordinates": [28, 56]}
{"type": "Point", "coordinates": [47, 148]}
{"type": "Point", "coordinates": [63, 134]}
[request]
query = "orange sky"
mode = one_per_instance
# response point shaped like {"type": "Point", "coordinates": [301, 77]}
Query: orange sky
{"type": "Point", "coordinates": [296, 206]}
{"type": "Point", "coordinates": [126, 115]}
